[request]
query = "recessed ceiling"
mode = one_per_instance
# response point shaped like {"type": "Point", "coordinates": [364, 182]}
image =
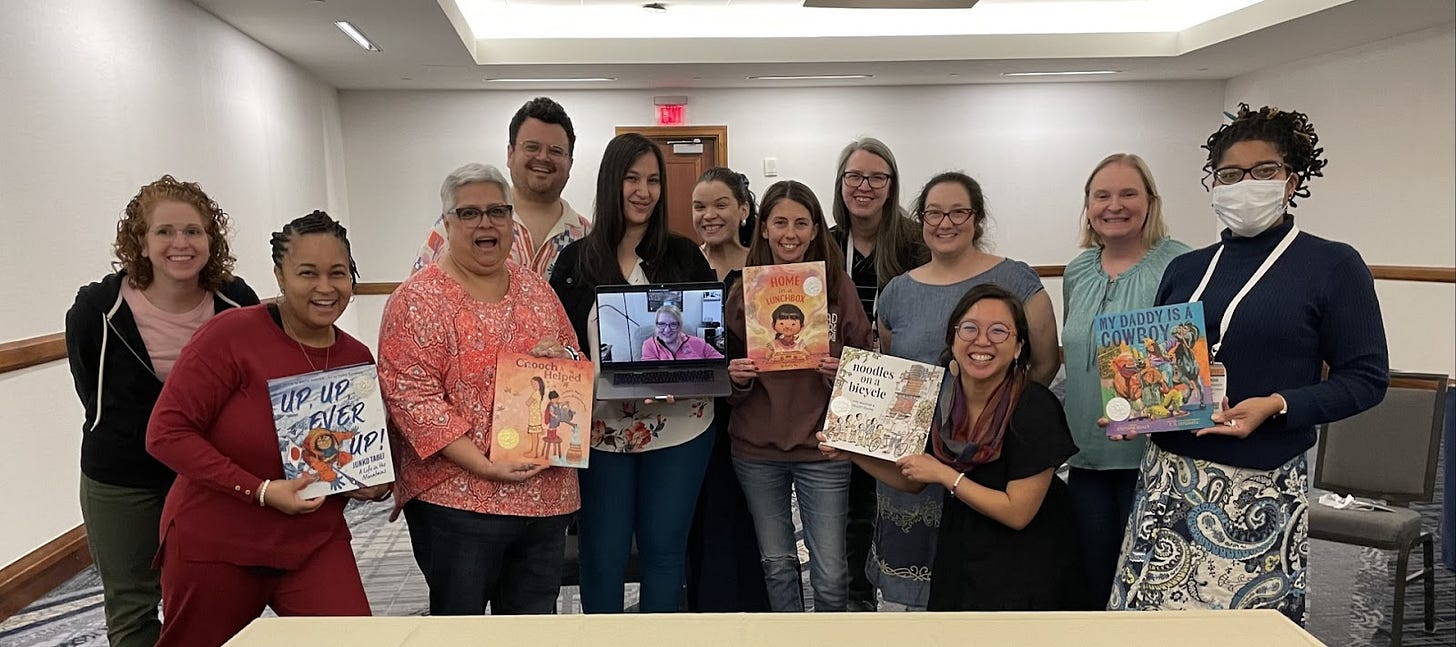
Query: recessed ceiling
{"type": "Point", "coordinates": [457, 44]}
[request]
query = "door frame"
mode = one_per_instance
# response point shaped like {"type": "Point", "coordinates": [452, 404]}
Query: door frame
{"type": "Point", "coordinates": [720, 133]}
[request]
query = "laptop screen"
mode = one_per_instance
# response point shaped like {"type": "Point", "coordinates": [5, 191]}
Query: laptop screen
{"type": "Point", "coordinates": [663, 324]}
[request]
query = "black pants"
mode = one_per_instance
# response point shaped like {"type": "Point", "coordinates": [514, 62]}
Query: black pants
{"type": "Point", "coordinates": [1103, 500]}
{"type": "Point", "coordinates": [858, 536]}
{"type": "Point", "coordinates": [470, 559]}
{"type": "Point", "coordinates": [723, 573]}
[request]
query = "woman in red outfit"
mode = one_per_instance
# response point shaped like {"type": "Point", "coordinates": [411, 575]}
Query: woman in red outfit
{"type": "Point", "coordinates": [235, 537]}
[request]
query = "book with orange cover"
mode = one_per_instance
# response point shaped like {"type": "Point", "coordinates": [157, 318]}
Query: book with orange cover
{"type": "Point", "coordinates": [786, 312]}
{"type": "Point", "coordinates": [542, 410]}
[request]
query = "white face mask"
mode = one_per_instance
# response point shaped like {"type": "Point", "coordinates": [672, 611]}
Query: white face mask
{"type": "Point", "coordinates": [1249, 207]}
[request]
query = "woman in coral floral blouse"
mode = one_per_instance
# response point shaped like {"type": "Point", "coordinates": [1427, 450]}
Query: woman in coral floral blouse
{"type": "Point", "coordinates": [483, 531]}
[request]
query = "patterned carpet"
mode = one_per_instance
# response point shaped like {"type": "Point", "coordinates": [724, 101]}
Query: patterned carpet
{"type": "Point", "coordinates": [1350, 592]}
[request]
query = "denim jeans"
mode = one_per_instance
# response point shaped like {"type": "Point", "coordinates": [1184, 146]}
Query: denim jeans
{"type": "Point", "coordinates": [1102, 500]}
{"type": "Point", "coordinates": [471, 558]}
{"type": "Point", "coordinates": [822, 489]}
{"type": "Point", "coordinates": [650, 495]}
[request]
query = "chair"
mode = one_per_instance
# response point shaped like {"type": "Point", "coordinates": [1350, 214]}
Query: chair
{"type": "Point", "coordinates": [1388, 452]}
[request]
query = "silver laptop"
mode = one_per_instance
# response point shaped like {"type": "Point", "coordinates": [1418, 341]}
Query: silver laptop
{"type": "Point", "coordinates": [659, 340]}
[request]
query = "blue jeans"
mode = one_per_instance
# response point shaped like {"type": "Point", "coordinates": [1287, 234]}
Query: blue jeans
{"type": "Point", "coordinates": [1102, 500]}
{"type": "Point", "coordinates": [652, 495]}
{"type": "Point", "coordinates": [471, 558]}
{"type": "Point", "coordinates": [822, 488]}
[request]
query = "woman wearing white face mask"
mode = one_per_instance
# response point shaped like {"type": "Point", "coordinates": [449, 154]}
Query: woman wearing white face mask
{"type": "Point", "coordinates": [1221, 514]}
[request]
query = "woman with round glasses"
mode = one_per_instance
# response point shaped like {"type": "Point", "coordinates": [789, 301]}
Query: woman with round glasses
{"type": "Point", "coordinates": [670, 341]}
{"type": "Point", "coordinates": [878, 244]}
{"type": "Point", "coordinates": [913, 307]}
{"type": "Point", "coordinates": [1221, 515]}
{"type": "Point", "coordinates": [1007, 538]}
{"type": "Point", "coordinates": [1127, 248]}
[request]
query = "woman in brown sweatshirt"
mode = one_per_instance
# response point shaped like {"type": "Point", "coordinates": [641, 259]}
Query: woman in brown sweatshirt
{"type": "Point", "coordinates": [776, 414]}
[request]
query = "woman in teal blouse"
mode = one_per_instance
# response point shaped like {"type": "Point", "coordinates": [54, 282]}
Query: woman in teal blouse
{"type": "Point", "coordinates": [1127, 250]}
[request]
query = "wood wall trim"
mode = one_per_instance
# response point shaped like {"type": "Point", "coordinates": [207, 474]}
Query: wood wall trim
{"type": "Point", "coordinates": [33, 576]}
{"type": "Point", "coordinates": [1414, 273]}
{"type": "Point", "coordinates": [22, 353]}
{"type": "Point", "coordinates": [376, 289]}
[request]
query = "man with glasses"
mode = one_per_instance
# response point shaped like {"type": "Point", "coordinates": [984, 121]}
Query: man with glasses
{"type": "Point", "coordinates": [539, 156]}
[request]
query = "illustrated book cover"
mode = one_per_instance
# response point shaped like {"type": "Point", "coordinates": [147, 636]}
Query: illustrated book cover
{"type": "Point", "coordinates": [1153, 366]}
{"type": "Point", "coordinates": [881, 406]}
{"type": "Point", "coordinates": [332, 424]}
{"type": "Point", "coordinates": [542, 410]}
{"type": "Point", "coordinates": [786, 311]}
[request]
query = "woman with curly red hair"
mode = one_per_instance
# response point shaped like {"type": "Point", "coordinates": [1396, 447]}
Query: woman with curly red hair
{"type": "Point", "coordinates": [124, 333]}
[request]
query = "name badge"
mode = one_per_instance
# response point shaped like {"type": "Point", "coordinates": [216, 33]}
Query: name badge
{"type": "Point", "coordinates": [1218, 376]}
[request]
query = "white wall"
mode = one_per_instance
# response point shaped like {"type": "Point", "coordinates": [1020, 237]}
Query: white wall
{"type": "Point", "coordinates": [1386, 116]}
{"type": "Point", "coordinates": [99, 98]}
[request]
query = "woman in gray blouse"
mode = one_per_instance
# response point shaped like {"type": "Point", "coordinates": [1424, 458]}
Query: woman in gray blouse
{"type": "Point", "coordinates": [913, 309]}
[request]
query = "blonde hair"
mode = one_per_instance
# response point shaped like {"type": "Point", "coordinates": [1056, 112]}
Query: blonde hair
{"type": "Point", "coordinates": [1153, 228]}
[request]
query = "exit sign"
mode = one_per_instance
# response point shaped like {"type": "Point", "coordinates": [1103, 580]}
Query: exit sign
{"type": "Point", "coordinates": [670, 115]}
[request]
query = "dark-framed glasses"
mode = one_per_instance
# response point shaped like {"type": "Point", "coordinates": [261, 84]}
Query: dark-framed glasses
{"type": "Point", "coordinates": [499, 214]}
{"type": "Point", "coordinates": [1236, 174]}
{"type": "Point", "coordinates": [957, 216]}
{"type": "Point", "coordinates": [668, 325]}
{"type": "Point", "coordinates": [995, 333]}
{"type": "Point", "coordinates": [853, 179]}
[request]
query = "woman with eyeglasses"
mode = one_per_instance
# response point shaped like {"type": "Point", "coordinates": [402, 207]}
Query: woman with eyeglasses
{"type": "Point", "coordinates": [671, 342]}
{"type": "Point", "coordinates": [647, 459]}
{"type": "Point", "coordinates": [952, 212]}
{"type": "Point", "coordinates": [483, 531]}
{"type": "Point", "coordinates": [1127, 249]}
{"type": "Point", "coordinates": [1221, 514]}
{"type": "Point", "coordinates": [1007, 537]}
{"type": "Point", "coordinates": [878, 243]}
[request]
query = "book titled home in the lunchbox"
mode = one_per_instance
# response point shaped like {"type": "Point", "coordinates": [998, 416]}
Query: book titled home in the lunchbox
{"type": "Point", "coordinates": [1154, 370]}
{"type": "Point", "coordinates": [542, 410]}
{"type": "Point", "coordinates": [786, 313]}
{"type": "Point", "coordinates": [331, 424]}
{"type": "Point", "coordinates": [881, 405]}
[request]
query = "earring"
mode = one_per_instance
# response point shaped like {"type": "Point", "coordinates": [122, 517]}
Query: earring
{"type": "Point", "coordinates": [745, 231]}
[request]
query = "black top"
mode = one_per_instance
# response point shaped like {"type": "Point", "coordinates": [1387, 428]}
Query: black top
{"type": "Point", "coordinates": [862, 268]}
{"type": "Point", "coordinates": [116, 383]}
{"type": "Point", "coordinates": [984, 565]}
{"type": "Point", "coordinates": [683, 263]}
{"type": "Point", "coordinates": [1316, 306]}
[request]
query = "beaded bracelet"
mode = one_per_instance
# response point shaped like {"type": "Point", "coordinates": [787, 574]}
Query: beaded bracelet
{"type": "Point", "coordinates": [263, 493]}
{"type": "Point", "coordinates": [956, 483]}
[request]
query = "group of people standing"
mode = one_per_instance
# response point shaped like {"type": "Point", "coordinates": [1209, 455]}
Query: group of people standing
{"type": "Point", "coordinates": [171, 356]}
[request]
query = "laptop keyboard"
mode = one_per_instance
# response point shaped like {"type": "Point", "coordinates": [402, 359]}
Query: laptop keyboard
{"type": "Point", "coordinates": [662, 377]}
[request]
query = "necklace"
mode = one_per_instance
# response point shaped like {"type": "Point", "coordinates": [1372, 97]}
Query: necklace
{"type": "Point", "coordinates": [327, 351]}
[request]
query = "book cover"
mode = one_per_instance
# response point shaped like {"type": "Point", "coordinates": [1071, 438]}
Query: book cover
{"type": "Point", "coordinates": [786, 312]}
{"type": "Point", "coordinates": [1154, 370]}
{"type": "Point", "coordinates": [542, 410]}
{"type": "Point", "coordinates": [332, 424]}
{"type": "Point", "coordinates": [882, 406]}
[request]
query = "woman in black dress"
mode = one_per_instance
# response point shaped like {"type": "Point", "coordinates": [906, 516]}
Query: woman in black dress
{"type": "Point", "coordinates": [1007, 536]}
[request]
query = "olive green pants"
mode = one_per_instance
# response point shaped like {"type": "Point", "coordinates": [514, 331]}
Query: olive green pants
{"type": "Point", "coordinates": [121, 528]}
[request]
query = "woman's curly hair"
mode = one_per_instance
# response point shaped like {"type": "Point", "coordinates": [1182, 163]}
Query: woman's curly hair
{"type": "Point", "coordinates": [1289, 132]}
{"type": "Point", "coordinates": [130, 247]}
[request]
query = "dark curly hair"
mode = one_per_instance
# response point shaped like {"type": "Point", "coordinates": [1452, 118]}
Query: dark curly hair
{"type": "Point", "coordinates": [1288, 131]}
{"type": "Point", "coordinates": [130, 247]}
{"type": "Point", "coordinates": [317, 222]}
{"type": "Point", "coordinates": [547, 111]}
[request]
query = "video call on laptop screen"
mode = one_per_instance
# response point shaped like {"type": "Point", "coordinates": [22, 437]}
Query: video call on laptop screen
{"type": "Point", "coordinates": [629, 317]}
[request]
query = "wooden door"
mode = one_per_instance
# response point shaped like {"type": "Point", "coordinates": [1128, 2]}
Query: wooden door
{"type": "Point", "coordinates": [687, 151]}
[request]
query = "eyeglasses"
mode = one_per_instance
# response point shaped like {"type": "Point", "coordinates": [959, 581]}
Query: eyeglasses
{"type": "Point", "coordinates": [996, 333]}
{"type": "Point", "coordinates": [933, 217]}
{"type": "Point", "coordinates": [853, 179]}
{"type": "Point", "coordinates": [499, 213]}
{"type": "Point", "coordinates": [533, 149]}
{"type": "Point", "coordinates": [1236, 174]}
{"type": "Point", "coordinates": [669, 325]}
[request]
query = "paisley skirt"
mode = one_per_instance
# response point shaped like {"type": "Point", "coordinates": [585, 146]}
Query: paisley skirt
{"type": "Point", "coordinates": [1208, 536]}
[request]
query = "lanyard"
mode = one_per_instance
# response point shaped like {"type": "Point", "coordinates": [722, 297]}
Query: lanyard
{"type": "Point", "coordinates": [1228, 313]}
{"type": "Point", "coordinates": [849, 271]}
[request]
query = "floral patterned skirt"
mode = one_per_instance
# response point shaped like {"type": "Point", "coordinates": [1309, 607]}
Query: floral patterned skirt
{"type": "Point", "coordinates": [1208, 536]}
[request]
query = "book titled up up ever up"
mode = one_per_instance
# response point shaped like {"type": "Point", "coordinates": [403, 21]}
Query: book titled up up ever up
{"type": "Point", "coordinates": [331, 424]}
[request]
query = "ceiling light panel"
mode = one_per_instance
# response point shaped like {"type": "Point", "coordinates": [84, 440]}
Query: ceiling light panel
{"type": "Point", "coordinates": [625, 19]}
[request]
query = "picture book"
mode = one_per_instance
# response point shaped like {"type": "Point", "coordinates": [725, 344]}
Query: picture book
{"type": "Point", "coordinates": [332, 424]}
{"type": "Point", "coordinates": [881, 406]}
{"type": "Point", "coordinates": [787, 315]}
{"type": "Point", "coordinates": [542, 410]}
{"type": "Point", "coordinates": [1154, 372]}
